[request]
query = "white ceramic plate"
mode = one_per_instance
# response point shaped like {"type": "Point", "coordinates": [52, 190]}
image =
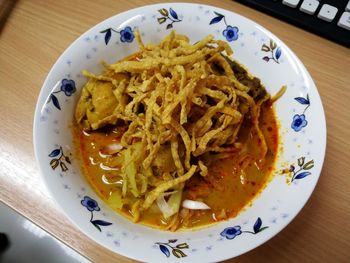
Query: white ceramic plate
{"type": "Point", "coordinates": [300, 113]}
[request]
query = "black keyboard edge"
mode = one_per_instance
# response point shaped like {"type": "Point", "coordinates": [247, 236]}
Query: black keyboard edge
{"type": "Point", "coordinates": [287, 14]}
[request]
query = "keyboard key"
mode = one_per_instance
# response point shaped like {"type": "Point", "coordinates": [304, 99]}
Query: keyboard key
{"type": "Point", "coordinates": [309, 6]}
{"type": "Point", "coordinates": [337, 30]}
{"type": "Point", "coordinates": [291, 3]}
{"type": "Point", "coordinates": [327, 12]}
{"type": "Point", "coordinates": [347, 8]}
{"type": "Point", "coordinates": [344, 20]}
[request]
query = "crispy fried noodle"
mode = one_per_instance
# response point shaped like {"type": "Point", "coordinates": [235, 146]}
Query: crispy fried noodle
{"type": "Point", "coordinates": [180, 107]}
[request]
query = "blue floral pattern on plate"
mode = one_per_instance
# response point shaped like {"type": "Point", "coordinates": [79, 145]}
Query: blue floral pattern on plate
{"type": "Point", "coordinates": [230, 32]}
{"type": "Point", "coordinates": [67, 87]}
{"type": "Point", "coordinates": [303, 170]}
{"type": "Point", "coordinates": [173, 17]}
{"type": "Point", "coordinates": [275, 51]}
{"type": "Point", "coordinates": [92, 206]}
{"type": "Point", "coordinates": [126, 34]}
{"type": "Point", "coordinates": [175, 249]}
{"type": "Point", "coordinates": [61, 159]}
{"type": "Point", "coordinates": [299, 121]}
{"type": "Point", "coordinates": [232, 232]}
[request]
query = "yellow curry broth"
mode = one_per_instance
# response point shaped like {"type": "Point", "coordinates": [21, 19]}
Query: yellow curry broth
{"type": "Point", "coordinates": [227, 189]}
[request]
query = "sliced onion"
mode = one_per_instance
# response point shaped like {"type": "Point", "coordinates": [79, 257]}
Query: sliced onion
{"type": "Point", "coordinates": [111, 149]}
{"type": "Point", "coordinates": [164, 207]}
{"type": "Point", "coordinates": [194, 205]}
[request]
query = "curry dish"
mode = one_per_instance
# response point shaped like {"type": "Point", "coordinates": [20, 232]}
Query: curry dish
{"type": "Point", "coordinates": [177, 135]}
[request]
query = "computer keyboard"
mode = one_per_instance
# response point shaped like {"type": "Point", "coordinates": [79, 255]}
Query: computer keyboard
{"type": "Point", "coordinates": [329, 19]}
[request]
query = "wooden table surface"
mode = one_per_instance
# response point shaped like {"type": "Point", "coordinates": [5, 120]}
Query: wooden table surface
{"type": "Point", "coordinates": [38, 31]}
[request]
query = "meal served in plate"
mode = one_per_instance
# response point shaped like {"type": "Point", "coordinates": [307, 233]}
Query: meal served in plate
{"type": "Point", "coordinates": [177, 135]}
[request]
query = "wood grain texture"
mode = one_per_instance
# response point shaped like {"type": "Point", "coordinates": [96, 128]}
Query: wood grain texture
{"type": "Point", "coordinates": [38, 31]}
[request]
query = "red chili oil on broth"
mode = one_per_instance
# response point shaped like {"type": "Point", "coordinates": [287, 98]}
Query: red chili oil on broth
{"type": "Point", "coordinates": [231, 183]}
